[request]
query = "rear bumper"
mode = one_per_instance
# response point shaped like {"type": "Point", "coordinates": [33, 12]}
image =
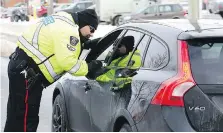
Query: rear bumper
{"type": "Point", "coordinates": [164, 119]}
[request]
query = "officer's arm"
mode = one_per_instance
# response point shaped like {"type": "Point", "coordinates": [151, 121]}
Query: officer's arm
{"type": "Point", "coordinates": [67, 51]}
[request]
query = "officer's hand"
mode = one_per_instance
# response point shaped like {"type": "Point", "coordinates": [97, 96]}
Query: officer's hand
{"type": "Point", "coordinates": [94, 65]}
{"type": "Point", "coordinates": [91, 43]}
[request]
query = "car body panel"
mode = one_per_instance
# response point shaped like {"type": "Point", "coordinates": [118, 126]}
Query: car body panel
{"type": "Point", "coordinates": [99, 108]}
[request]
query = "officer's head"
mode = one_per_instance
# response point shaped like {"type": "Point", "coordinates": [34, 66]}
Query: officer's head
{"type": "Point", "coordinates": [88, 22]}
{"type": "Point", "coordinates": [126, 45]}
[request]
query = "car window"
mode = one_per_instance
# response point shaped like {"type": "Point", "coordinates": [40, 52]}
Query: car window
{"type": "Point", "coordinates": [137, 56]}
{"type": "Point", "coordinates": [150, 10]}
{"type": "Point", "coordinates": [81, 6]}
{"type": "Point", "coordinates": [137, 36]}
{"type": "Point", "coordinates": [88, 4]}
{"type": "Point", "coordinates": [104, 46]}
{"type": "Point", "coordinates": [206, 59]}
{"type": "Point", "coordinates": [156, 56]}
{"type": "Point", "coordinates": [177, 8]}
{"type": "Point", "coordinates": [166, 8]}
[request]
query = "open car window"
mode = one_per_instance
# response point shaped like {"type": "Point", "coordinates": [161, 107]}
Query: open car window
{"type": "Point", "coordinates": [104, 46]}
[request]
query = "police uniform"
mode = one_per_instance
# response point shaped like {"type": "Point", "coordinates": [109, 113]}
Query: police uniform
{"type": "Point", "coordinates": [51, 47]}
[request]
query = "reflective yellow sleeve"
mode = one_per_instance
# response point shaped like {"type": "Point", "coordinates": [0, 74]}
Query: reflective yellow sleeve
{"type": "Point", "coordinates": [67, 49]}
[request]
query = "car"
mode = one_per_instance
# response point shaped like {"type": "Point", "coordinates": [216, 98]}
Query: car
{"type": "Point", "coordinates": [78, 6]}
{"type": "Point", "coordinates": [215, 6]}
{"type": "Point", "coordinates": [19, 14]}
{"type": "Point", "coordinates": [3, 12]}
{"type": "Point", "coordinates": [41, 11]}
{"type": "Point", "coordinates": [61, 6]}
{"type": "Point", "coordinates": [157, 11]}
{"type": "Point", "coordinates": [177, 87]}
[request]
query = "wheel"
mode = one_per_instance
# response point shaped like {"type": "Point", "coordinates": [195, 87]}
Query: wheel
{"type": "Point", "coordinates": [126, 128]}
{"type": "Point", "coordinates": [23, 18]}
{"type": "Point", "coordinates": [210, 11]}
{"type": "Point", "coordinates": [59, 115]}
{"type": "Point", "coordinates": [27, 18]}
{"type": "Point", "coordinates": [16, 18]}
{"type": "Point", "coordinates": [176, 18]}
{"type": "Point", "coordinates": [115, 20]}
{"type": "Point", "coordinates": [44, 15]}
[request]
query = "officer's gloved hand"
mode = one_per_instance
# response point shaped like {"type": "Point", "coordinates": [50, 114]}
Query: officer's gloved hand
{"type": "Point", "coordinates": [93, 66]}
{"type": "Point", "coordinates": [90, 44]}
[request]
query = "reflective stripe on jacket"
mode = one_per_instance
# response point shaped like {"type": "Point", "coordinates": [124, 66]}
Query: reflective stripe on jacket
{"type": "Point", "coordinates": [55, 36]}
{"type": "Point", "coordinates": [121, 62]}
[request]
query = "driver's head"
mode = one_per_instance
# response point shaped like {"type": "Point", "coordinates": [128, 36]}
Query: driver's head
{"type": "Point", "coordinates": [126, 45]}
{"type": "Point", "coordinates": [88, 22]}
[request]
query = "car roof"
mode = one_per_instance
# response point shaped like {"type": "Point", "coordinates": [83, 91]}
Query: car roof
{"type": "Point", "coordinates": [187, 29]}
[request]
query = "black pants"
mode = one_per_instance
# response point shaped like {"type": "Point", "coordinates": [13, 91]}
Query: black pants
{"type": "Point", "coordinates": [17, 91]}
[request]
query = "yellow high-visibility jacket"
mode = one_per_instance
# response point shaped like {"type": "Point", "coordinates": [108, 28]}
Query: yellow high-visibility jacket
{"type": "Point", "coordinates": [120, 63]}
{"type": "Point", "coordinates": [55, 36]}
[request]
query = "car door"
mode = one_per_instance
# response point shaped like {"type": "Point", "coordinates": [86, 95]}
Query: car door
{"type": "Point", "coordinates": [104, 101]}
{"type": "Point", "coordinates": [77, 109]}
{"type": "Point", "coordinates": [149, 13]}
{"type": "Point", "coordinates": [165, 12]}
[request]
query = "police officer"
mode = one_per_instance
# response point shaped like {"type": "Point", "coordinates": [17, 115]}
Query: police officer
{"type": "Point", "coordinates": [45, 51]}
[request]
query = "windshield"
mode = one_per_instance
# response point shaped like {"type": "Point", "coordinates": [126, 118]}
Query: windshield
{"type": "Point", "coordinates": [206, 58]}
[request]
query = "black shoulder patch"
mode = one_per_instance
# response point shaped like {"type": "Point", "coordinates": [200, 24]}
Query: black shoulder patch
{"type": "Point", "coordinates": [74, 41]}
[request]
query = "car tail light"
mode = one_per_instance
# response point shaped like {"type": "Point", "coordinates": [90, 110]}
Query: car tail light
{"type": "Point", "coordinates": [171, 91]}
{"type": "Point", "coordinates": [220, 6]}
{"type": "Point", "coordinates": [185, 12]}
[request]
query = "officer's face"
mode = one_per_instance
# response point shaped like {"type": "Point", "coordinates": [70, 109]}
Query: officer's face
{"type": "Point", "coordinates": [87, 31]}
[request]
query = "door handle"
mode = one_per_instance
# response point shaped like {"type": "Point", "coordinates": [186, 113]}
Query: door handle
{"type": "Point", "coordinates": [87, 87]}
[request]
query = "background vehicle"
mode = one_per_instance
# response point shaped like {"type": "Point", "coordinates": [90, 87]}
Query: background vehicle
{"type": "Point", "coordinates": [41, 11]}
{"type": "Point", "coordinates": [158, 11]}
{"type": "Point", "coordinates": [78, 6]}
{"type": "Point", "coordinates": [215, 6]}
{"type": "Point", "coordinates": [3, 12]}
{"type": "Point", "coordinates": [111, 10]}
{"type": "Point", "coordinates": [177, 87]}
{"type": "Point", "coordinates": [19, 14]}
{"type": "Point", "coordinates": [61, 7]}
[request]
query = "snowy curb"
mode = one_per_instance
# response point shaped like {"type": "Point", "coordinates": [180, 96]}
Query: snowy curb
{"type": "Point", "coordinates": [8, 48]}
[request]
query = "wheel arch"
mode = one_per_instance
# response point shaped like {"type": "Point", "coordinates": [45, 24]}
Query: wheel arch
{"type": "Point", "coordinates": [122, 117]}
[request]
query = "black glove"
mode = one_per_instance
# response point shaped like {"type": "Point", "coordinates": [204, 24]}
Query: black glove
{"type": "Point", "coordinates": [90, 44]}
{"type": "Point", "coordinates": [93, 66]}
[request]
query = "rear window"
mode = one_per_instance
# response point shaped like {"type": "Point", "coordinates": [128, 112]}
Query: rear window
{"type": "Point", "coordinates": [206, 58]}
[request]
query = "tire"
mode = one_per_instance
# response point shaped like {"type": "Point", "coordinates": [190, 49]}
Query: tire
{"type": "Point", "coordinates": [115, 20]}
{"type": "Point", "coordinates": [125, 128]}
{"type": "Point", "coordinates": [23, 18]}
{"type": "Point", "coordinates": [16, 18]}
{"type": "Point", "coordinates": [45, 15]}
{"type": "Point", "coordinates": [27, 18]}
{"type": "Point", "coordinates": [210, 11]}
{"type": "Point", "coordinates": [59, 115]}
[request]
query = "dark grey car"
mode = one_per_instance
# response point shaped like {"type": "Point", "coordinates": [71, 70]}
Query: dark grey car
{"type": "Point", "coordinates": [177, 87]}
